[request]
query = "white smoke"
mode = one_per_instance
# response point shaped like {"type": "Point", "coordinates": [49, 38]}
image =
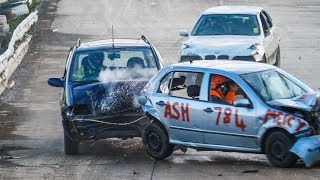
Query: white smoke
{"type": "Point", "coordinates": [120, 74]}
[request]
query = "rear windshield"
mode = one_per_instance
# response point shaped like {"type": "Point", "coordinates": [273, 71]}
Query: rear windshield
{"type": "Point", "coordinates": [113, 65]}
{"type": "Point", "coordinates": [227, 24]}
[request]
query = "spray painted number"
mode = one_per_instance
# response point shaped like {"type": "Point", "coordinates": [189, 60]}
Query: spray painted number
{"type": "Point", "coordinates": [177, 111]}
{"type": "Point", "coordinates": [227, 114]}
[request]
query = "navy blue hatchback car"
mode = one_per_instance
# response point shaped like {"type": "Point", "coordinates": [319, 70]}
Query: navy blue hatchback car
{"type": "Point", "coordinates": [101, 83]}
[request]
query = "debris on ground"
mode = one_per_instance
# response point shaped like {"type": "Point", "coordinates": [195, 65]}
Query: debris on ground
{"type": "Point", "coordinates": [250, 171]}
{"type": "Point", "coordinates": [8, 157]}
{"type": "Point", "coordinates": [12, 83]}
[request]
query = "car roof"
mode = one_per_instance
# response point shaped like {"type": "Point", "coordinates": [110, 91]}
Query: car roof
{"type": "Point", "coordinates": [109, 43]}
{"type": "Point", "coordinates": [237, 67]}
{"type": "Point", "coordinates": [233, 10]}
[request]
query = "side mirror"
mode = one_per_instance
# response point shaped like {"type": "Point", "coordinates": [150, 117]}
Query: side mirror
{"type": "Point", "coordinates": [55, 82]}
{"type": "Point", "coordinates": [241, 103]}
{"type": "Point", "coordinates": [267, 32]}
{"type": "Point", "coordinates": [184, 33]}
{"type": "Point", "coordinates": [142, 100]}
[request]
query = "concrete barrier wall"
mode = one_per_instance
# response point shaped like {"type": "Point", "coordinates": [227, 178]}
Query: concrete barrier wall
{"type": "Point", "coordinates": [12, 57]}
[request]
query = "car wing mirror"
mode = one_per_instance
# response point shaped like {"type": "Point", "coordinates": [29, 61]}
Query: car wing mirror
{"type": "Point", "coordinates": [241, 103]}
{"type": "Point", "coordinates": [142, 100]}
{"type": "Point", "coordinates": [184, 33]}
{"type": "Point", "coordinates": [55, 82]}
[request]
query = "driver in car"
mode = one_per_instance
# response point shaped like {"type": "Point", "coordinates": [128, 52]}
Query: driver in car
{"type": "Point", "coordinates": [91, 66]}
{"type": "Point", "coordinates": [223, 88]}
{"type": "Point", "coordinates": [213, 27]}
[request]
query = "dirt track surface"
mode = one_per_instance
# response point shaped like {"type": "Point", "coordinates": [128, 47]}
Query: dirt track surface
{"type": "Point", "coordinates": [31, 139]}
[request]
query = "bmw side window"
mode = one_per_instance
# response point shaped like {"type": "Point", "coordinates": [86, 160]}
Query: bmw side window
{"type": "Point", "coordinates": [268, 19]}
{"type": "Point", "coordinates": [186, 85]}
{"type": "Point", "coordinates": [264, 22]}
{"type": "Point", "coordinates": [165, 84]}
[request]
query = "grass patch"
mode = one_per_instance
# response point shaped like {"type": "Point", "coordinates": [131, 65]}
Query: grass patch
{"type": "Point", "coordinates": [14, 23]}
{"type": "Point", "coordinates": [4, 41]}
{"type": "Point", "coordinates": [32, 6]}
{"type": "Point", "coordinates": [5, 38]}
{"type": "Point", "coordinates": [32, 30]}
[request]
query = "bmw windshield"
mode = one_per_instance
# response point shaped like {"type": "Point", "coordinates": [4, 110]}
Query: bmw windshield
{"type": "Point", "coordinates": [227, 24]}
{"type": "Point", "coordinates": [113, 65]}
{"type": "Point", "coordinates": [275, 84]}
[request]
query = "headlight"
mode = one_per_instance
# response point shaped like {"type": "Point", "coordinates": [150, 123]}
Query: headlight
{"type": "Point", "coordinates": [257, 49]}
{"type": "Point", "coordinates": [255, 46]}
{"type": "Point", "coordinates": [186, 45]}
{"type": "Point", "coordinates": [254, 52]}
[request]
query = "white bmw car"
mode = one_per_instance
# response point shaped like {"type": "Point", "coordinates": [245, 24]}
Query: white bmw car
{"type": "Point", "coordinates": [235, 33]}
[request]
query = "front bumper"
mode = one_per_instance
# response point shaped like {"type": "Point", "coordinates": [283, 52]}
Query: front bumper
{"type": "Point", "coordinates": [124, 125]}
{"type": "Point", "coordinates": [307, 149]}
{"type": "Point", "coordinates": [252, 58]}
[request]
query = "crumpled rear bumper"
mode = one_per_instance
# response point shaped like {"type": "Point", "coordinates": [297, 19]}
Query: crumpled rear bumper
{"type": "Point", "coordinates": [307, 149]}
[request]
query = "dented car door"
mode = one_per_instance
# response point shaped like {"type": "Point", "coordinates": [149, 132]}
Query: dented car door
{"type": "Point", "coordinates": [228, 125]}
{"type": "Point", "coordinates": [183, 108]}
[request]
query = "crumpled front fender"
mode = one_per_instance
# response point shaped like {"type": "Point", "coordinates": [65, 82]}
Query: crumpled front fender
{"type": "Point", "coordinates": [150, 110]}
{"type": "Point", "coordinates": [307, 149]}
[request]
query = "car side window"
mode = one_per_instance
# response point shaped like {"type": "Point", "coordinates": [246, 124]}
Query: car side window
{"type": "Point", "coordinates": [67, 63]}
{"type": "Point", "coordinates": [186, 85]}
{"type": "Point", "coordinates": [159, 56]}
{"type": "Point", "coordinates": [165, 84]}
{"type": "Point", "coordinates": [223, 90]}
{"type": "Point", "coordinates": [268, 19]}
{"type": "Point", "coordinates": [266, 22]}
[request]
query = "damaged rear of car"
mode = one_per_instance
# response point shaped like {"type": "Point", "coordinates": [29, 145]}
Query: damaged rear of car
{"type": "Point", "coordinates": [101, 83]}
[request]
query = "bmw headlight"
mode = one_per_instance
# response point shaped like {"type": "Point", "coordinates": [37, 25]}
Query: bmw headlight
{"type": "Point", "coordinates": [256, 48]}
{"type": "Point", "coordinates": [186, 45]}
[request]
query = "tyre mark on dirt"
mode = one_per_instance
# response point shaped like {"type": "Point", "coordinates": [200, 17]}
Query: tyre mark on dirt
{"type": "Point", "coordinates": [154, 167]}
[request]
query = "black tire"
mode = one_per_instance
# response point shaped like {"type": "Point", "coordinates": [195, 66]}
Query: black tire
{"type": "Point", "coordinates": [70, 147]}
{"type": "Point", "coordinates": [156, 142]}
{"type": "Point", "coordinates": [277, 149]}
{"type": "Point", "coordinates": [278, 57]}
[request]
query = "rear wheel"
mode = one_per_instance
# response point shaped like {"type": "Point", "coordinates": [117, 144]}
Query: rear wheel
{"type": "Point", "coordinates": [277, 149]}
{"type": "Point", "coordinates": [156, 142]}
{"type": "Point", "coordinates": [277, 63]}
{"type": "Point", "coordinates": [70, 147]}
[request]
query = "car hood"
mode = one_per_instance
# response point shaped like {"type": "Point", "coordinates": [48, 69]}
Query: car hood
{"type": "Point", "coordinates": [305, 102]}
{"type": "Point", "coordinates": [223, 42]}
{"type": "Point", "coordinates": [108, 98]}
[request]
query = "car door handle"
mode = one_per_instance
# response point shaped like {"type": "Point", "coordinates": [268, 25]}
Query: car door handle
{"type": "Point", "coordinates": [160, 103]}
{"type": "Point", "coordinates": [208, 110]}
